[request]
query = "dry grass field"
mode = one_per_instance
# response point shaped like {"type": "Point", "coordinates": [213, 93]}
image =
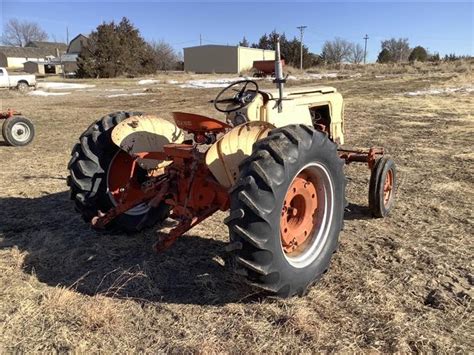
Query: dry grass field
{"type": "Point", "coordinates": [399, 284]}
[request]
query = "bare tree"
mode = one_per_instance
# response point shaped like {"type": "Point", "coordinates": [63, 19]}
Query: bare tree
{"type": "Point", "coordinates": [399, 49]}
{"type": "Point", "coordinates": [56, 39]}
{"type": "Point", "coordinates": [19, 33]}
{"type": "Point", "coordinates": [356, 55]}
{"type": "Point", "coordinates": [165, 55]}
{"type": "Point", "coordinates": [336, 51]}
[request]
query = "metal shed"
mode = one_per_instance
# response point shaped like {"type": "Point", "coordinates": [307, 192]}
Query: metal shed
{"type": "Point", "coordinates": [42, 68]}
{"type": "Point", "coordinates": [223, 59]}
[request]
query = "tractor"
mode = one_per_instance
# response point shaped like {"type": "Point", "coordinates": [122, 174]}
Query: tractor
{"type": "Point", "coordinates": [275, 164]}
{"type": "Point", "coordinates": [17, 130]}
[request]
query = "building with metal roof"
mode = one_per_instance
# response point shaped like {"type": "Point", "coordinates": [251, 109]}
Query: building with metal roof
{"type": "Point", "coordinates": [51, 46]}
{"type": "Point", "coordinates": [223, 59]}
{"type": "Point", "coordinates": [14, 57]}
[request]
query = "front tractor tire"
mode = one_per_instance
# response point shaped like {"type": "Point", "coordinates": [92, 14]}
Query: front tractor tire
{"type": "Point", "coordinates": [287, 210]}
{"type": "Point", "coordinates": [98, 168]}
{"type": "Point", "coordinates": [382, 187]}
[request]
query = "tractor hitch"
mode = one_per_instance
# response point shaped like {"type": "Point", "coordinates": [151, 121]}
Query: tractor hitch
{"type": "Point", "coordinates": [187, 187]}
{"type": "Point", "coordinates": [361, 156]}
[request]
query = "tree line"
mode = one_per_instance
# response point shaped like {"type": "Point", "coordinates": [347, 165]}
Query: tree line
{"type": "Point", "coordinates": [115, 49]}
{"type": "Point", "coordinates": [335, 51]}
{"type": "Point", "coordinates": [339, 51]}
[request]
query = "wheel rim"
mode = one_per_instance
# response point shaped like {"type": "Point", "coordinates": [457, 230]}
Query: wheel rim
{"type": "Point", "coordinates": [388, 187]}
{"type": "Point", "coordinates": [20, 132]}
{"type": "Point", "coordinates": [306, 215]}
{"type": "Point", "coordinates": [118, 176]}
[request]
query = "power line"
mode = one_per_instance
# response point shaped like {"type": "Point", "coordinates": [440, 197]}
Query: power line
{"type": "Point", "coordinates": [183, 42]}
{"type": "Point", "coordinates": [365, 47]}
{"type": "Point", "coordinates": [301, 28]}
{"type": "Point", "coordinates": [214, 42]}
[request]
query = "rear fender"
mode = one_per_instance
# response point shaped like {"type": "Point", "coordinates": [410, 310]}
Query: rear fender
{"type": "Point", "coordinates": [224, 156]}
{"type": "Point", "coordinates": [146, 134]}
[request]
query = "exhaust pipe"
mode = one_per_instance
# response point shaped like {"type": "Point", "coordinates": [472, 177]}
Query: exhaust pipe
{"type": "Point", "coordinates": [279, 79]}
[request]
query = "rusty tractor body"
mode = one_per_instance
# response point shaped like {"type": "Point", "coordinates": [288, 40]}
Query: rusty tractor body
{"type": "Point", "coordinates": [17, 130]}
{"type": "Point", "coordinates": [275, 163]}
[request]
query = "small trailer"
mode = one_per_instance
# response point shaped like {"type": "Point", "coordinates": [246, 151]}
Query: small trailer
{"type": "Point", "coordinates": [264, 68]}
{"type": "Point", "coordinates": [17, 130]}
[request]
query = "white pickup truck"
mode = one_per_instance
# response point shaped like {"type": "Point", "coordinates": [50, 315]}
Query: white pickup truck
{"type": "Point", "coordinates": [21, 82]}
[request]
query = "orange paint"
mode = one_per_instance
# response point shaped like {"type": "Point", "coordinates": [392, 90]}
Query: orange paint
{"type": "Point", "coordinates": [297, 222]}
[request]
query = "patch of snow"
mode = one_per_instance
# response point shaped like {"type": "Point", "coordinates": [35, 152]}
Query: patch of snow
{"type": "Point", "coordinates": [114, 90]}
{"type": "Point", "coordinates": [172, 82]}
{"type": "Point", "coordinates": [148, 81]}
{"type": "Point", "coordinates": [292, 77]}
{"type": "Point", "coordinates": [64, 86]}
{"type": "Point", "coordinates": [380, 76]}
{"type": "Point", "coordinates": [356, 75]}
{"type": "Point", "coordinates": [132, 94]}
{"type": "Point", "coordinates": [440, 91]}
{"type": "Point", "coordinates": [211, 83]}
{"type": "Point", "coordinates": [44, 93]}
{"type": "Point", "coordinates": [321, 76]}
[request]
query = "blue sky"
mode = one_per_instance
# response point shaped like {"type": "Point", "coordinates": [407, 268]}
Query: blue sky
{"type": "Point", "coordinates": [445, 27]}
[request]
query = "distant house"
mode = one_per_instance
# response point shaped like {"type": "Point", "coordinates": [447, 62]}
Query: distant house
{"type": "Point", "coordinates": [64, 62]}
{"type": "Point", "coordinates": [223, 59]}
{"type": "Point", "coordinates": [76, 44]}
{"type": "Point", "coordinates": [69, 60]}
{"type": "Point", "coordinates": [56, 48]}
{"type": "Point", "coordinates": [14, 57]}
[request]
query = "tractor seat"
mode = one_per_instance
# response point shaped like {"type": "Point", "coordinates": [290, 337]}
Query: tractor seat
{"type": "Point", "coordinates": [191, 122]}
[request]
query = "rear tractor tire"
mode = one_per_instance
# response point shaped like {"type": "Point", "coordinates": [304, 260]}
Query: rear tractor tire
{"type": "Point", "coordinates": [18, 131]}
{"type": "Point", "coordinates": [98, 168]}
{"type": "Point", "coordinates": [382, 187]}
{"type": "Point", "coordinates": [287, 210]}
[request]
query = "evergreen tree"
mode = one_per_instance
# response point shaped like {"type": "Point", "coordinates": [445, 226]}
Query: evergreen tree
{"type": "Point", "coordinates": [434, 57]}
{"type": "Point", "coordinates": [244, 42]}
{"type": "Point", "coordinates": [419, 54]}
{"type": "Point", "coordinates": [384, 56]}
{"type": "Point", "coordinates": [116, 49]}
{"type": "Point", "coordinates": [290, 49]}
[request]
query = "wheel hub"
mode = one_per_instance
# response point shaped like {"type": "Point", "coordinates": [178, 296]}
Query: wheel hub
{"type": "Point", "coordinates": [297, 222]}
{"type": "Point", "coordinates": [20, 132]}
{"type": "Point", "coordinates": [388, 187]}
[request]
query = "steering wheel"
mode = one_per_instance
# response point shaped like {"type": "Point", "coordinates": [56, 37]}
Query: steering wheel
{"type": "Point", "coordinates": [238, 100]}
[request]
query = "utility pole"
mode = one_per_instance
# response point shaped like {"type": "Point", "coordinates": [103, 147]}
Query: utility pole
{"type": "Point", "coordinates": [365, 47]}
{"type": "Point", "coordinates": [67, 35]}
{"type": "Point", "coordinates": [200, 39]}
{"type": "Point", "coordinates": [301, 28]}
